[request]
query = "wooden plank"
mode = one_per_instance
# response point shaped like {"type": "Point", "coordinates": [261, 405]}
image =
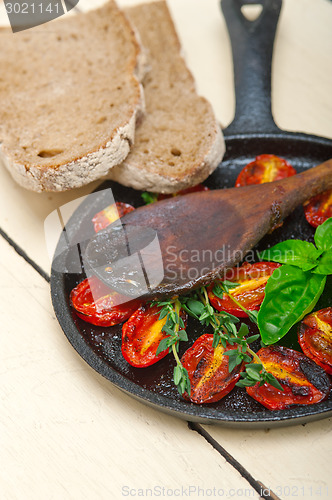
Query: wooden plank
{"type": "Point", "coordinates": [68, 433]}
{"type": "Point", "coordinates": [301, 76]}
{"type": "Point", "coordinates": [293, 461]}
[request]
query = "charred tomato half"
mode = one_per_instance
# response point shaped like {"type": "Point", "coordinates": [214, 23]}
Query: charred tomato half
{"type": "Point", "coordinates": [302, 380]}
{"type": "Point", "coordinates": [141, 336]}
{"type": "Point", "coordinates": [250, 292]}
{"type": "Point", "coordinates": [319, 208]}
{"type": "Point", "coordinates": [315, 337]}
{"type": "Point", "coordinates": [94, 302]}
{"type": "Point", "coordinates": [208, 370]}
{"type": "Point", "coordinates": [265, 168]}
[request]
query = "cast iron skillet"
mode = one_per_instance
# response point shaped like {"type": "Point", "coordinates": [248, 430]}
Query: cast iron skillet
{"type": "Point", "coordinates": [252, 132]}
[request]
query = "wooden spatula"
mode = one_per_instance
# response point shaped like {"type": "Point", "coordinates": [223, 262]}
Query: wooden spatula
{"type": "Point", "coordinates": [172, 246]}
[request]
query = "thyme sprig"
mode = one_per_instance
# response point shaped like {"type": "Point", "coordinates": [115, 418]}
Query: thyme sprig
{"type": "Point", "coordinates": [254, 372]}
{"type": "Point", "coordinates": [175, 329]}
{"type": "Point", "coordinates": [225, 331]}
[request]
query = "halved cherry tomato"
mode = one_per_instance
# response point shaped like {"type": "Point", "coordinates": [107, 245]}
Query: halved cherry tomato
{"type": "Point", "coordinates": [208, 372]}
{"type": "Point", "coordinates": [193, 189]}
{"type": "Point", "coordinates": [97, 304]}
{"type": "Point", "coordinates": [265, 168]}
{"type": "Point", "coordinates": [319, 208]}
{"type": "Point", "coordinates": [315, 337]}
{"type": "Point", "coordinates": [303, 382]}
{"type": "Point", "coordinates": [110, 214]}
{"type": "Point", "coordinates": [141, 336]}
{"type": "Point", "coordinates": [252, 279]}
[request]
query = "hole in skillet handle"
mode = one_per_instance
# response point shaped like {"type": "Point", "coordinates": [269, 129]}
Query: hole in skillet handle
{"type": "Point", "coordinates": [252, 11]}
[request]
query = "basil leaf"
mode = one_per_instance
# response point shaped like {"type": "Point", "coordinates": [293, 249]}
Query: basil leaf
{"type": "Point", "coordinates": [290, 294]}
{"type": "Point", "coordinates": [296, 252]}
{"type": "Point", "coordinates": [324, 263]}
{"type": "Point", "coordinates": [323, 235]}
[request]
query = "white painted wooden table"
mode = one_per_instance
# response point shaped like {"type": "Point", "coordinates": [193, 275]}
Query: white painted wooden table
{"type": "Point", "coordinates": [66, 433]}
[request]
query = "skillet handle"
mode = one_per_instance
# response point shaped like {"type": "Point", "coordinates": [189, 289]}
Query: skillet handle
{"type": "Point", "coordinates": [252, 47]}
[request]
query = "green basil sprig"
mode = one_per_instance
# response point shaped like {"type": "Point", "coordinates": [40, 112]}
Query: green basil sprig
{"type": "Point", "coordinates": [294, 288]}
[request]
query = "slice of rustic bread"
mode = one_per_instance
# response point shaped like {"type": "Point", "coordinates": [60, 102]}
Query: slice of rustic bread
{"type": "Point", "coordinates": [69, 99]}
{"type": "Point", "coordinates": [179, 143]}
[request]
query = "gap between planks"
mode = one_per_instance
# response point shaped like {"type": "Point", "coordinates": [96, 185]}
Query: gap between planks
{"type": "Point", "coordinates": [258, 486]}
{"type": "Point", "coordinates": [25, 256]}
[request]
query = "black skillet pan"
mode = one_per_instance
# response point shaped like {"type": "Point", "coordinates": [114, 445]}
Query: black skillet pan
{"type": "Point", "coordinates": [252, 132]}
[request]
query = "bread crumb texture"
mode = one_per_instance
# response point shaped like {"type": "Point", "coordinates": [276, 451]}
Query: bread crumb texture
{"type": "Point", "coordinates": [179, 142]}
{"type": "Point", "coordinates": [68, 99]}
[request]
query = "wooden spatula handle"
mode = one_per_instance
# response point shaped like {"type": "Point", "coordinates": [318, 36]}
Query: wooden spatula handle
{"type": "Point", "coordinates": [309, 183]}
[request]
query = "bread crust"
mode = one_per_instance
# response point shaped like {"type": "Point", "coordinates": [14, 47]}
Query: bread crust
{"type": "Point", "coordinates": [96, 160]}
{"type": "Point", "coordinates": [79, 172]}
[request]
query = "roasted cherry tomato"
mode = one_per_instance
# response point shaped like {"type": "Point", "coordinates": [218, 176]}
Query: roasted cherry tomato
{"type": "Point", "coordinates": [315, 337]}
{"type": "Point", "coordinates": [141, 336]}
{"type": "Point", "coordinates": [252, 279]}
{"type": "Point", "coordinates": [110, 214]}
{"type": "Point", "coordinates": [194, 189]}
{"type": "Point", "coordinates": [265, 168]}
{"type": "Point", "coordinates": [319, 208]}
{"type": "Point", "coordinates": [208, 372]}
{"type": "Point", "coordinates": [97, 304]}
{"type": "Point", "coordinates": [303, 382]}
